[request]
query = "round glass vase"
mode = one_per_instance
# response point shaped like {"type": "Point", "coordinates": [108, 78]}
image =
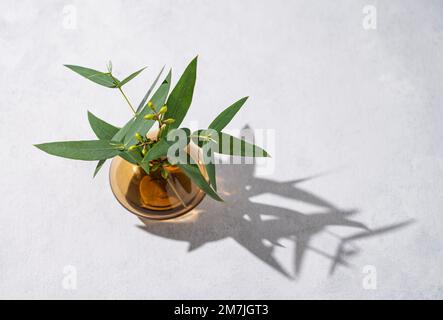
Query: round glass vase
{"type": "Point", "coordinates": [151, 196]}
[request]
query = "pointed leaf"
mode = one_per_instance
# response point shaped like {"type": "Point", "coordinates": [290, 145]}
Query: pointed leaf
{"type": "Point", "coordinates": [199, 138]}
{"type": "Point", "coordinates": [98, 167]}
{"type": "Point", "coordinates": [193, 172]}
{"type": "Point", "coordinates": [226, 116]}
{"type": "Point", "coordinates": [160, 95]}
{"type": "Point", "coordinates": [159, 150]}
{"type": "Point", "coordinates": [133, 156]}
{"type": "Point", "coordinates": [82, 150]}
{"type": "Point", "coordinates": [209, 162]}
{"type": "Point", "coordinates": [142, 103]}
{"type": "Point", "coordinates": [178, 136]}
{"type": "Point", "coordinates": [238, 147]}
{"type": "Point", "coordinates": [130, 77]}
{"type": "Point", "coordinates": [224, 143]}
{"type": "Point", "coordinates": [102, 129]}
{"type": "Point", "coordinates": [120, 135]}
{"type": "Point", "coordinates": [181, 96]}
{"type": "Point", "coordinates": [104, 79]}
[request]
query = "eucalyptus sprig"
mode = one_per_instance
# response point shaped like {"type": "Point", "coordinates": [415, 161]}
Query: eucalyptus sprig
{"type": "Point", "coordinates": [167, 110]}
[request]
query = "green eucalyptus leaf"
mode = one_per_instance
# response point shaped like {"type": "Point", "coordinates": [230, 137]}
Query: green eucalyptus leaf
{"type": "Point", "coordinates": [140, 124]}
{"type": "Point", "coordinates": [158, 150]}
{"type": "Point", "coordinates": [145, 167]}
{"type": "Point", "coordinates": [102, 129]}
{"type": "Point", "coordinates": [142, 103]}
{"type": "Point", "coordinates": [82, 150]}
{"type": "Point", "coordinates": [224, 143]}
{"type": "Point", "coordinates": [120, 135]}
{"type": "Point", "coordinates": [221, 121]}
{"type": "Point", "coordinates": [180, 98]}
{"type": "Point", "coordinates": [199, 137]}
{"type": "Point", "coordinates": [130, 158]}
{"type": "Point", "coordinates": [237, 147]}
{"type": "Point", "coordinates": [178, 140]}
{"type": "Point", "coordinates": [130, 77]}
{"type": "Point", "coordinates": [98, 167]}
{"type": "Point", "coordinates": [209, 163]}
{"type": "Point", "coordinates": [180, 135]}
{"type": "Point", "coordinates": [160, 95]}
{"type": "Point", "coordinates": [202, 136]}
{"type": "Point", "coordinates": [102, 78]}
{"type": "Point", "coordinates": [193, 172]}
{"type": "Point", "coordinates": [133, 156]}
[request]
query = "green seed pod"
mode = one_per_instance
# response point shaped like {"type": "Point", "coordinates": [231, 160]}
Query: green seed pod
{"type": "Point", "coordinates": [163, 109]}
{"type": "Point", "coordinates": [151, 105]}
{"type": "Point", "coordinates": [138, 137]}
{"type": "Point", "coordinates": [150, 116]}
{"type": "Point", "coordinates": [169, 121]}
{"type": "Point", "coordinates": [164, 173]}
{"type": "Point", "coordinates": [155, 167]}
{"type": "Point", "coordinates": [131, 148]}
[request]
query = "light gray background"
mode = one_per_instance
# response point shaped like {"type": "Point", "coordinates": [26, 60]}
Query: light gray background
{"type": "Point", "coordinates": [362, 106]}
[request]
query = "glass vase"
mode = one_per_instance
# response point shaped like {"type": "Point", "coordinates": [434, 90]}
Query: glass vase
{"type": "Point", "coordinates": [151, 196]}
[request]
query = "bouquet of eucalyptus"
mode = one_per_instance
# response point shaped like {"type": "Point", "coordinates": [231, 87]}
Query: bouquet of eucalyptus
{"type": "Point", "coordinates": [164, 112]}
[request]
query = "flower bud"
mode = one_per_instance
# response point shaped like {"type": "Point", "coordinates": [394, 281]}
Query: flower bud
{"type": "Point", "coordinates": [150, 116]}
{"type": "Point", "coordinates": [131, 148]}
{"type": "Point", "coordinates": [151, 105]}
{"type": "Point", "coordinates": [163, 109]}
{"type": "Point", "coordinates": [169, 121]}
{"type": "Point", "coordinates": [164, 173]}
{"type": "Point", "coordinates": [138, 137]}
{"type": "Point", "coordinates": [155, 167]}
{"type": "Point", "coordinates": [144, 151]}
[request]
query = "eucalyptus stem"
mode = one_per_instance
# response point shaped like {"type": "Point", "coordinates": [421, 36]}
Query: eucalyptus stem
{"type": "Point", "coordinates": [175, 191]}
{"type": "Point", "coordinates": [121, 91]}
{"type": "Point", "coordinates": [127, 100]}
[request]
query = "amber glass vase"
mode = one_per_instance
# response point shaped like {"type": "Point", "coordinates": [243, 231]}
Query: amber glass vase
{"type": "Point", "coordinates": [151, 196]}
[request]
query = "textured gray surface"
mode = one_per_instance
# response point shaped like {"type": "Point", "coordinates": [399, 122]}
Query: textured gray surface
{"type": "Point", "coordinates": [364, 106]}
